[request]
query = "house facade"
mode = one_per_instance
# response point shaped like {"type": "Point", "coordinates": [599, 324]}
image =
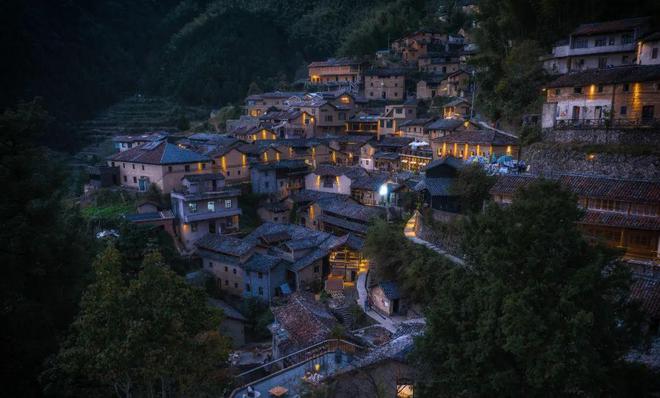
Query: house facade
{"type": "Point", "coordinates": [280, 178]}
{"type": "Point", "coordinates": [615, 97]}
{"type": "Point", "coordinates": [335, 71]}
{"type": "Point", "coordinates": [597, 46]}
{"type": "Point", "coordinates": [159, 163]}
{"type": "Point", "coordinates": [204, 206]}
{"type": "Point", "coordinates": [467, 143]}
{"type": "Point", "coordinates": [385, 84]}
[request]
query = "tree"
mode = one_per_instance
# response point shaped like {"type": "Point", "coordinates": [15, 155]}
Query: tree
{"type": "Point", "coordinates": [537, 311]}
{"type": "Point", "coordinates": [154, 334]}
{"type": "Point", "coordinates": [472, 186]}
{"type": "Point", "coordinates": [384, 247]}
{"type": "Point", "coordinates": [45, 249]}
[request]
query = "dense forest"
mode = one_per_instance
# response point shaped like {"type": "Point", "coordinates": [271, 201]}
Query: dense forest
{"type": "Point", "coordinates": [83, 55]}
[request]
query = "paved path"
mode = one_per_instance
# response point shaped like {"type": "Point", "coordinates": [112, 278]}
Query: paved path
{"type": "Point", "coordinates": [410, 231]}
{"type": "Point", "coordinates": [386, 322]}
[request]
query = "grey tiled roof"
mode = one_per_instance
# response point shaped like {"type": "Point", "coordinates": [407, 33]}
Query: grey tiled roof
{"type": "Point", "coordinates": [159, 152]}
{"type": "Point", "coordinates": [435, 186]}
{"type": "Point", "coordinates": [225, 244]}
{"type": "Point", "coordinates": [228, 310]}
{"type": "Point", "coordinates": [308, 260]}
{"type": "Point", "coordinates": [390, 289]}
{"type": "Point", "coordinates": [261, 263]}
{"type": "Point", "coordinates": [619, 74]}
{"type": "Point", "coordinates": [445, 124]}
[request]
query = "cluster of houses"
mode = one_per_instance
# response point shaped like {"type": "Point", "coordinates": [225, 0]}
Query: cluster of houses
{"type": "Point", "coordinates": [328, 160]}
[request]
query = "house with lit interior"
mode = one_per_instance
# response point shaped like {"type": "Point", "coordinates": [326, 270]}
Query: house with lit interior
{"type": "Point", "coordinates": [336, 72]}
{"type": "Point", "coordinates": [204, 205]}
{"type": "Point", "coordinates": [333, 179]}
{"type": "Point", "coordinates": [487, 143]}
{"type": "Point", "coordinates": [258, 104]}
{"type": "Point", "coordinates": [279, 178]}
{"type": "Point", "coordinates": [619, 97]}
{"type": "Point", "coordinates": [159, 163]}
{"type": "Point", "coordinates": [599, 45]}
{"type": "Point", "coordinates": [624, 214]}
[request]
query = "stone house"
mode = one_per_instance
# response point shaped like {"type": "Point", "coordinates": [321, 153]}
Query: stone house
{"type": "Point", "coordinates": [289, 123]}
{"type": "Point", "coordinates": [416, 128]}
{"type": "Point", "coordinates": [277, 212]}
{"type": "Point", "coordinates": [385, 84]}
{"type": "Point", "coordinates": [648, 49]}
{"type": "Point", "coordinates": [439, 63]}
{"type": "Point", "coordinates": [597, 45]}
{"type": "Point", "coordinates": [385, 297]}
{"type": "Point", "coordinates": [435, 187]}
{"type": "Point", "coordinates": [394, 115]}
{"type": "Point", "coordinates": [335, 71]}
{"type": "Point", "coordinates": [254, 133]}
{"type": "Point", "coordinates": [456, 108]}
{"type": "Point", "coordinates": [232, 162]}
{"type": "Point", "coordinates": [258, 104]}
{"type": "Point", "coordinates": [279, 178]}
{"type": "Point", "coordinates": [430, 86]}
{"type": "Point", "coordinates": [626, 96]}
{"type": "Point", "coordinates": [624, 214]}
{"type": "Point", "coordinates": [486, 143]}
{"type": "Point", "coordinates": [204, 206]}
{"type": "Point", "coordinates": [159, 163]}
{"type": "Point", "coordinates": [333, 179]}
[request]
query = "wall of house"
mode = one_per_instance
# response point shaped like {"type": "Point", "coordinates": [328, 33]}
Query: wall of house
{"type": "Point", "coordinates": [268, 216]}
{"type": "Point", "coordinates": [463, 150]}
{"type": "Point", "coordinates": [646, 52]}
{"type": "Point", "coordinates": [325, 74]}
{"type": "Point", "coordinates": [259, 281]}
{"type": "Point", "coordinates": [629, 98]}
{"type": "Point", "coordinates": [234, 166]}
{"type": "Point", "coordinates": [426, 90]}
{"type": "Point", "coordinates": [341, 184]}
{"type": "Point", "coordinates": [167, 177]}
{"type": "Point", "coordinates": [384, 87]}
{"type": "Point", "coordinates": [379, 302]}
{"type": "Point", "coordinates": [306, 276]}
{"type": "Point", "coordinates": [229, 275]}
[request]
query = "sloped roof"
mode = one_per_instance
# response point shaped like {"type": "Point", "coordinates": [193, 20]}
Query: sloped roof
{"type": "Point", "coordinates": [612, 219]}
{"type": "Point", "coordinates": [334, 62]}
{"type": "Point", "coordinates": [450, 161]}
{"type": "Point", "coordinates": [614, 189]}
{"type": "Point", "coordinates": [390, 289]}
{"type": "Point", "coordinates": [227, 310]}
{"type": "Point", "coordinates": [508, 184]}
{"type": "Point", "coordinates": [305, 321]}
{"type": "Point", "coordinates": [417, 122]}
{"type": "Point", "coordinates": [159, 152]}
{"type": "Point", "coordinates": [350, 210]}
{"type": "Point", "coordinates": [618, 25]}
{"type": "Point", "coordinates": [614, 75]}
{"type": "Point", "coordinates": [370, 182]}
{"type": "Point", "coordinates": [647, 292]}
{"type": "Point", "coordinates": [445, 124]}
{"type": "Point", "coordinates": [225, 244]}
{"type": "Point", "coordinates": [261, 263]}
{"type": "Point", "coordinates": [308, 260]}
{"type": "Point", "coordinates": [436, 186]}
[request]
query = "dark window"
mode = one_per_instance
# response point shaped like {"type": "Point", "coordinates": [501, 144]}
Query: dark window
{"type": "Point", "coordinates": [557, 91]}
{"type": "Point", "coordinates": [133, 166]}
{"type": "Point", "coordinates": [626, 87]}
{"type": "Point", "coordinates": [247, 287]}
{"type": "Point", "coordinates": [654, 53]}
{"type": "Point", "coordinates": [261, 291]}
{"type": "Point", "coordinates": [210, 264]}
{"type": "Point", "coordinates": [260, 275]}
{"type": "Point", "coordinates": [236, 285]}
{"type": "Point", "coordinates": [142, 167]}
{"type": "Point", "coordinates": [316, 269]}
{"type": "Point", "coordinates": [226, 282]}
{"type": "Point", "coordinates": [626, 38]}
{"type": "Point", "coordinates": [234, 271]}
{"type": "Point", "coordinates": [611, 40]}
{"type": "Point", "coordinates": [226, 269]}
{"type": "Point", "coordinates": [193, 227]}
{"type": "Point", "coordinates": [187, 167]}
{"type": "Point", "coordinates": [135, 179]}
{"type": "Point", "coordinates": [169, 168]}
{"type": "Point", "coordinates": [602, 62]}
{"type": "Point", "coordinates": [624, 110]}
{"type": "Point", "coordinates": [125, 179]}
{"type": "Point", "coordinates": [600, 88]}
{"type": "Point", "coordinates": [113, 164]}
{"type": "Point", "coordinates": [600, 42]}
{"type": "Point", "coordinates": [577, 90]}
{"type": "Point", "coordinates": [624, 59]}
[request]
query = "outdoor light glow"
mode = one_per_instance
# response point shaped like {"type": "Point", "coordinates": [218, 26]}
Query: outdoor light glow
{"type": "Point", "coordinates": [383, 190]}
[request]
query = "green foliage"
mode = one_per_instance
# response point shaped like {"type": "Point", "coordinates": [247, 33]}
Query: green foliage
{"type": "Point", "coordinates": [258, 317]}
{"type": "Point", "coordinates": [249, 203]}
{"type": "Point", "coordinates": [383, 247]}
{"type": "Point", "coordinates": [219, 119]}
{"type": "Point", "coordinates": [537, 311]}
{"type": "Point", "coordinates": [530, 135]}
{"type": "Point", "coordinates": [45, 249]}
{"type": "Point", "coordinates": [472, 185]}
{"type": "Point", "coordinates": [152, 334]}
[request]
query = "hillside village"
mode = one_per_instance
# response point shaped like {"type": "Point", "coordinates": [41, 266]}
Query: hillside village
{"type": "Point", "coordinates": [276, 207]}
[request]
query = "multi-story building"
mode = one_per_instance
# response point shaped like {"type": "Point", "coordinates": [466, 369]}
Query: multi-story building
{"type": "Point", "coordinates": [290, 123]}
{"type": "Point", "coordinates": [333, 179]}
{"type": "Point", "coordinates": [597, 46]}
{"type": "Point", "coordinates": [459, 107]}
{"type": "Point", "coordinates": [385, 84]}
{"type": "Point", "coordinates": [336, 71]}
{"type": "Point", "coordinates": [280, 178]}
{"type": "Point", "coordinates": [362, 123]}
{"type": "Point", "coordinates": [624, 214]}
{"type": "Point", "coordinates": [624, 96]}
{"type": "Point", "coordinates": [430, 86]}
{"type": "Point", "coordinates": [204, 206]}
{"type": "Point", "coordinates": [416, 128]}
{"type": "Point", "coordinates": [648, 49]}
{"type": "Point", "coordinates": [159, 163]}
{"type": "Point", "coordinates": [254, 133]}
{"type": "Point", "coordinates": [258, 104]}
{"type": "Point", "coordinates": [233, 163]}
{"type": "Point", "coordinates": [439, 63]}
{"type": "Point", "coordinates": [394, 115]}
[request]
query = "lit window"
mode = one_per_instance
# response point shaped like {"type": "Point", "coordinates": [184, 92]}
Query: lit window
{"type": "Point", "coordinates": [192, 207]}
{"type": "Point", "coordinates": [210, 206]}
{"type": "Point", "coordinates": [228, 204]}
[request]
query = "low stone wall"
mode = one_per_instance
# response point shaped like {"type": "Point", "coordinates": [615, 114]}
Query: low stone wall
{"type": "Point", "coordinates": [649, 137]}
{"type": "Point", "coordinates": [551, 159]}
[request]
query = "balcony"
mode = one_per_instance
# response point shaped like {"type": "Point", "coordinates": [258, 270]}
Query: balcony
{"type": "Point", "coordinates": [210, 215]}
{"type": "Point", "coordinates": [597, 124]}
{"type": "Point", "coordinates": [311, 365]}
